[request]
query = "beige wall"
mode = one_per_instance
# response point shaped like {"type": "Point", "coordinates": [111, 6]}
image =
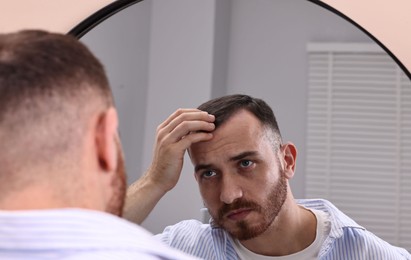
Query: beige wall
{"type": "Point", "coordinates": [389, 21]}
{"type": "Point", "coordinates": [53, 15]}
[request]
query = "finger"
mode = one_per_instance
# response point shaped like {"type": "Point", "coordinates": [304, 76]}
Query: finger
{"type": "Point", "coordinates": [193, 138]}
{"type": "Point", "coordinates": [186, 122]}
{"type": "Point", "coordinates": [188, 117]}
{"type": "Point", "coordinates": [177, 113]}
{"type": "Point", "coordinates": [188, 128]}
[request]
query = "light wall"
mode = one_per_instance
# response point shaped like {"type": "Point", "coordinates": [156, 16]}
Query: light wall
{"type": "Point", "coordinates": [388, 21]}
{"type": "Point", "coordinates": [53, 15]}
{"type": "Point", "coordinates": [188, 53]}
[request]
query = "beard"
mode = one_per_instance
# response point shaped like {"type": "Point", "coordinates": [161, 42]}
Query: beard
{"type": "Point", "coordinates": [118, 184]}
{"type": "Point", "coordinates": [269, 210]}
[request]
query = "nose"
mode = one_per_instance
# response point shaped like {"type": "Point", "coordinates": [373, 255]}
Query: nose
{"type": "Point", "coordinates": [230, 189]}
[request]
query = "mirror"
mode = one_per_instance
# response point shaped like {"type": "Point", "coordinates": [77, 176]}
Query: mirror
{"type": "Point", "coordinates": [163, 55]}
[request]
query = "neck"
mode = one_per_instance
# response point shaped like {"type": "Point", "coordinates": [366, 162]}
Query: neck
{"type": "Point", "coordinates": [293, 230]}
{"type": "Point", "coordinates": [41, 196]}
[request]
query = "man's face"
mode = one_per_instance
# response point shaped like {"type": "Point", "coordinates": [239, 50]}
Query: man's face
{"type": "Point", "coordinates": [116, 202]}
{"type": "Point", "coordinates": [240, 176]}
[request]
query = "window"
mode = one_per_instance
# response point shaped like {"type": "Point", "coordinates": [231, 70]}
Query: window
{"type": "Point", "coordinates": [359, 137]}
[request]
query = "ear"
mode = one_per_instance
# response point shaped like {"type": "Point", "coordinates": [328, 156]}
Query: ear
{"type": "Point", "coordinates": [289, 154]}
{"type": "Point", "coordinates": [106, 138]}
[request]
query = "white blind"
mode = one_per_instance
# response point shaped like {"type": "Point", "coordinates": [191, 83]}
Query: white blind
{"type": "Point", "coordinates": [359, 137]}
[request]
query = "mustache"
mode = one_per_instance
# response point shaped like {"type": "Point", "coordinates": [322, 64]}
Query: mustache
{"type": "Point", "coordinates": [238, 204]}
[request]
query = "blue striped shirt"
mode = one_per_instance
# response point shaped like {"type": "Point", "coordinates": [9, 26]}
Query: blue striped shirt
{"type": "Point", "coordinates": [346, 240]}
{"type": "Point", "coordinates": [76, 234]}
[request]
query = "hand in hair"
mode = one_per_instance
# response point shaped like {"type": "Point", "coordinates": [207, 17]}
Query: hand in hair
{"type": "Point", "coordinates": [173, 137]}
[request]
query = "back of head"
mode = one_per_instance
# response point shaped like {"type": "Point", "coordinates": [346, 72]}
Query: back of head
{"type": "Point", "coordinates": [49, 85]}
{"type": "Point", "coordinates": [225, 107]}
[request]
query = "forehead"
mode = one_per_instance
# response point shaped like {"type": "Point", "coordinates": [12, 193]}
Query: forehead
{"type": "Point", "coordinates": [240, 133]}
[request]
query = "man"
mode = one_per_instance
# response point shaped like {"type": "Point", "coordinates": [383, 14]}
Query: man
{"type": "Point", "coordinates": [62, 169]}
{"type": "Point", "coordinates": [243, 170]}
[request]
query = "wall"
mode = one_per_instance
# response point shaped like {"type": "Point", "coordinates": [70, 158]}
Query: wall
{"type": "Point", "coordinates": [267, 59]}
{"type": "Point", "coordinates": [162, 55]}
{"type": "Point", "coordinates": [53, 15]}
{"type": "Point", "coordinates": [388, 21]}
{"type": "Point", "coordinates": [122, 44]}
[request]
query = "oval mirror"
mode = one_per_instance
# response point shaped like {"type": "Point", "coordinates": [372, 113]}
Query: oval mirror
{"type": "Point", "coordinates": [338, 96]}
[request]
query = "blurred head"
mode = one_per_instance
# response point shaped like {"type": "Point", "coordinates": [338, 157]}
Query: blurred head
{"type": "Point", "coordinates": [58, 126]}
{"type": "Point", "coordinates": [243, 170]}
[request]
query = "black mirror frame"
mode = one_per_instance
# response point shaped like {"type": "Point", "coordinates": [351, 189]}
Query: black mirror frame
{"type": "Point", "coordinates": [101, 15]}
{"type": "Point", "coordinates": [93, 20]}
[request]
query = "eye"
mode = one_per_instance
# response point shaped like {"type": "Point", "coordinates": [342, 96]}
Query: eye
{"type": "Point", "coordinates": [246, 163]}
{"type": "Point", "coordinates": [208, 174]}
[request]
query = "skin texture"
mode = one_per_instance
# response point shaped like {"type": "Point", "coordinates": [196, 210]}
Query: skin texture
{"type": "Point", "coordinates": [240, 178]}
{"type": "Point", "coordinates": [174, 136]}
{"type": "Point", "coordinates": [243, 181]}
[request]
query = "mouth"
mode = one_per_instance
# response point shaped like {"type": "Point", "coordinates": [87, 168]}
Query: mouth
{"type": "Point", "coordinates": [238, 214]}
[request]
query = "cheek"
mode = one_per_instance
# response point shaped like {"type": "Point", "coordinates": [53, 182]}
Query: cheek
{"type": "Point", "coordinates": [209, 195]}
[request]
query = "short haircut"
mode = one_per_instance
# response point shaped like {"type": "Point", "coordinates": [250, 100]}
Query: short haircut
{"type": "Point", "coordinates": [225, 107]}
{"type": "Point", "coordinates": [48, 82]}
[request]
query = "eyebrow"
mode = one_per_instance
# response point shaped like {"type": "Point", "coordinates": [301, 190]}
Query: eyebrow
{"type": "Point", "coordinates": [234, 158]}
{"type": "Point", "coordinates": [202, 167]}
{"type": "Point", "coordinates": [243, 155]}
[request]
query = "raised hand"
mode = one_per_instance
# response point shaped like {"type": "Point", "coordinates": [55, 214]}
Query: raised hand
{"type": "Point", "coordinates": [181, 129]}
{"type": "Point", "coordinates": [174, 136]}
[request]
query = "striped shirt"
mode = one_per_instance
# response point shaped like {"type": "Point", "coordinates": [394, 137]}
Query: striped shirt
{"type": "Point", "coordinates": [76, 234]}
{"type": "Point", "coordinates": [346, 240]}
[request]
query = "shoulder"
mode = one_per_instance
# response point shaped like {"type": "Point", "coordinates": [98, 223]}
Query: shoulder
{"type": "Point", "coordinates": [319, 204]}
{"type": "Point", "coordinates": [127, 254]}
{"type": "Point", "coordinates": [187, 230]}
{"type": "Point", "coordinates": [348, 240]}
{"type": "Point", "coordinates": [81, 234]}
{"type": "Point", "coordinates": [338, 219]}
{"type": "Point", "coordinates": [125, 240]}
{"type": "Point", "coordinates": [196, 238]}
{"type": "Point", "coordinates": [358, 243]}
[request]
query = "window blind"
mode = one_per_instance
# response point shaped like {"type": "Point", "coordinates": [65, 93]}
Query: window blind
{"type": "Point", "coordinates": [359, 136]}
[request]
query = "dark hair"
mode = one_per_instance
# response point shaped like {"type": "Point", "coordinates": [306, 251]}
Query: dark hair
{"type": "Point", "coordinates": [37, 64]}
{"type": "Point", "coordinates": [50, 84]}
{"type": "Point", "coordinates": [226, 106]}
